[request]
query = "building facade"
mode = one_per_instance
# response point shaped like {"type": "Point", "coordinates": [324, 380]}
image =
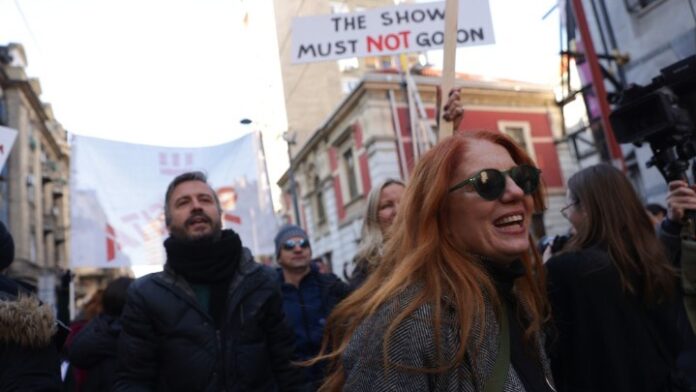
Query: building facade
{"type": "Point", "coordinates": [368, 138]}
{"type": "Point", "coordinates": [313, 90]}
{"type": "Point", "coordinates": [34, 184]}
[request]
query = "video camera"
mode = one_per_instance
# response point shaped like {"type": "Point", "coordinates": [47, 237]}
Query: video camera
{"type": "Point", "coordinates": [661, 114]}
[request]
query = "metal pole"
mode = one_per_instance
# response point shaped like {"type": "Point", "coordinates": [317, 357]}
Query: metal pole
{"type": "Point", "coordinates": [598, 84]}
{"type": "Point", "coordinates": [397, 132]}
{"type": "Point", "coordinates": [612, 41]}
{"type": "Point", "coordinates": [293, 187]}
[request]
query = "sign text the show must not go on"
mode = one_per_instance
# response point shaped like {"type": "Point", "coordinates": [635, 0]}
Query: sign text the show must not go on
{"type": "Point", "coordinates": [387, 31]}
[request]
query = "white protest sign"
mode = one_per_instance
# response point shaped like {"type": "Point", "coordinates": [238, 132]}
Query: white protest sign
{"type": "Point", "coordinates": [387, 31]}
{"type": "Point", "coordinates": [7, 139]}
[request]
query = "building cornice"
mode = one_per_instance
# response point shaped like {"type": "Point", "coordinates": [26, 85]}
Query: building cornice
{"type": "Point", "coordinates": [31, 96]}
{"type": "Point", "coordinates": [387, 81]}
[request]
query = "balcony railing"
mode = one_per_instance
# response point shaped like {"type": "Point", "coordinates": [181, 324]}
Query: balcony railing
{"type": "Point", "coordinates": [48, 171]}
{"type": "Point", "coordinates": [58, 188]}
{"type": "Point", "coordinates": [49, 223]}
{"type": "Point", "coordinates": [59, 234]}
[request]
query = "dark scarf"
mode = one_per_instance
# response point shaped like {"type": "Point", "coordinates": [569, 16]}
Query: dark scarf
{"type": "Point", "coordinates": [523, 356]}
{"type": "Point", "coordinates": [205, 261]}
{"type": "Point", "coordinates": [210, 262]}
{"type": "Point", "coordinates": [504, 276]}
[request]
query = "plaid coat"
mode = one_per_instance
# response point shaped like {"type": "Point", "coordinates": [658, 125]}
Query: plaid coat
{"type": "Point", "coordinates": [412, 344]}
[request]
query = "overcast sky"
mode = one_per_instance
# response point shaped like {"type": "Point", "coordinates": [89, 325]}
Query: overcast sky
{"type": "Point", "coordinates": [184, 72]}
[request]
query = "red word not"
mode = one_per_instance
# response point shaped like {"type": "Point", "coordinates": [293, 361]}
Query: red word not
{"type": "Point", "coordinates": [393, 41]}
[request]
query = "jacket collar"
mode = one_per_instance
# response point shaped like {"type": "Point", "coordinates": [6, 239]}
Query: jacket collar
{"type": "Point", "coordinates": [313, 271]}
{"type": "Point", "coordinates": [247, 277]}
{"type": "Point", "coordinates": [33, 323]}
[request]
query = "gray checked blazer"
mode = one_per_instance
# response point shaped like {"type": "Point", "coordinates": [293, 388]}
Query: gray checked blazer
{"type": "Point", "coordinates": [413, 345]}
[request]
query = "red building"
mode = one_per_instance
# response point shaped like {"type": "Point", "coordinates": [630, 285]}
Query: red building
{"type": "Point", "coordinates": [381, 128]}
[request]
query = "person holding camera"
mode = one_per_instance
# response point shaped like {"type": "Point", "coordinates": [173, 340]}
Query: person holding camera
{"type": "Point", "coordinates": [681, 197]}
{"type": "Point", "coordinates": [613, 293]}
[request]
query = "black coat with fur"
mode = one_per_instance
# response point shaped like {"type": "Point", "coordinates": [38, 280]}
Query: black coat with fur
{"type": "Point", "coordinates": [28, 357]}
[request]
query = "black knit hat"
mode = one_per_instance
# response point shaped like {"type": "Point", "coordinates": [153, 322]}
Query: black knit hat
{"type": "Point", "coordinates": [6, 247]}
{"type": "Point", "coordinates": [285, 233]}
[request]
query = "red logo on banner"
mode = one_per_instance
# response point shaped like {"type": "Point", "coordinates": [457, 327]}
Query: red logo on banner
{"type": "Point", "coordinates": [112, 245]}
{"type": "Point", "coordinates": [228, 202]}
{"type": "Point", "coordinates": [175, 163]}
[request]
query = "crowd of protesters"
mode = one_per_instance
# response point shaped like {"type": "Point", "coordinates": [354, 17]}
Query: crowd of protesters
{"type": "Point", "coordinates": [450, 292]}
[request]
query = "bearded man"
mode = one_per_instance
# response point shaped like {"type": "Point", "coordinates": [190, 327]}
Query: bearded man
{"type": "Point", "coordinates": [213, 319]}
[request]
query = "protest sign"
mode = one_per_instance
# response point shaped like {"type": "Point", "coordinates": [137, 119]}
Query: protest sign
{"type": "Point", "coordinates": [387, 31]}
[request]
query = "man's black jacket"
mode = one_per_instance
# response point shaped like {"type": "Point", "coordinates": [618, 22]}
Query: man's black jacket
{"type": "Point", "coordinates": [169, 343]}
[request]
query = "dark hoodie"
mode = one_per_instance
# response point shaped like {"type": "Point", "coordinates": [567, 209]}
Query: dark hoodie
{"type": "Point", "coordinates": [95, 349]}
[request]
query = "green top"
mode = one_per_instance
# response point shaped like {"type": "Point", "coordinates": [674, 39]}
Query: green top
{"type": "Point", "coordinates": [202, 292]}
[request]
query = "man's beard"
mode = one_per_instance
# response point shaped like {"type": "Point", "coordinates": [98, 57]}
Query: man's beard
{"type": "Point", "coordinates": [180, 233]}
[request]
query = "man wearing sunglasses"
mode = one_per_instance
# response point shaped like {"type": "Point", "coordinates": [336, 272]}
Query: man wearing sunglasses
{"type": "Point", "coordinates": [213, 319]}
{"type": "Point", "coordinates": [308, 295]}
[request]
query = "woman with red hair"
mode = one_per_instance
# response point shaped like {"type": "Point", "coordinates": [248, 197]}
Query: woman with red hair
{"type": "Point", "coordinates": [457, 302]}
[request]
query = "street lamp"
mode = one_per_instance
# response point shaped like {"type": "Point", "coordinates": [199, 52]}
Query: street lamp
{"type": "Point", "coordinates": [290, 140]}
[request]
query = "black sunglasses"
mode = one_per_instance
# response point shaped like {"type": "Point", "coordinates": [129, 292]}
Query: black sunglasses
{"type": "Point", "coordinates": [490, 183]}
{"type": "Point", "coordinates": [291, 244]}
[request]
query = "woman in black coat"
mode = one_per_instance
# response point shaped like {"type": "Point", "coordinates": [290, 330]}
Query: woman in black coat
{"type": "Point", "coordinates": [613, 293]}
{"type": "Point", "coordinates": [95, 347]}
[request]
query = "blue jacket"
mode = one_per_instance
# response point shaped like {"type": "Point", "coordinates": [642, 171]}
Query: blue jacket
{"type": "Point", "coordinates": [307, 307]}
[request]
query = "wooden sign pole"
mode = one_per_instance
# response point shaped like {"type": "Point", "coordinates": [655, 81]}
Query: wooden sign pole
{"type": "Point", "coordinates": [449, 57]}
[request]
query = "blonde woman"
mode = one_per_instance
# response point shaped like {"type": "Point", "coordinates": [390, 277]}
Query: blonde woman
{"type": "Point", "coordinates": [382, 205]}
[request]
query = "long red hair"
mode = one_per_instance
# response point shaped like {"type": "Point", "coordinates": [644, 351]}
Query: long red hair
{"type": "Point", "coordinates": [420, 250]}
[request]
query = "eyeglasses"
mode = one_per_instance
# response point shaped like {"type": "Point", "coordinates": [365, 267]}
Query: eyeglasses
{"type": "Point", "coordinates": [490, 183]}
{"type": "Point", "coordinates": [291, 244]}
{"type": "Point", "coordinates": [564, 210]}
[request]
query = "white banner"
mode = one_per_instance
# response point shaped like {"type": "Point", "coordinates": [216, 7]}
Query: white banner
{"type": "Point", "coordinates": [7, 139]}
{"type": "Point", "coordinates": [117, 197]}
{"type": "Point", "coordinates": [387, 31]}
